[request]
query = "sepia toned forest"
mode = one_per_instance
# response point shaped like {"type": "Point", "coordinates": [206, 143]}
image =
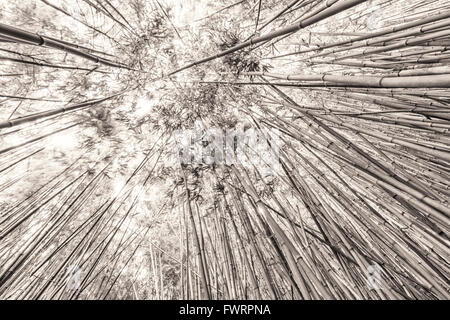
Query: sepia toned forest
{"type": "Point", "coordinates": [95, 203]}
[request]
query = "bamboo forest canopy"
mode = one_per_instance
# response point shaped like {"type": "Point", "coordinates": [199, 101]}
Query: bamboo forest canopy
{"type": "Point", "coordinates": [96, 95]}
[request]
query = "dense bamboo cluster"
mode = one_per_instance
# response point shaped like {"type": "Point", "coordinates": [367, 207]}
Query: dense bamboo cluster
{"type": "Point", "coordinates": [364, 162]}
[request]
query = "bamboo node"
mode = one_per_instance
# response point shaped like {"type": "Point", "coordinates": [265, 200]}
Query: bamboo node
{"type": "Point", "coordinates": [41, 40]}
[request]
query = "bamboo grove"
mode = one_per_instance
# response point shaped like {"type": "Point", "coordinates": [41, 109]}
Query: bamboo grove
{"type": "Point", "coordinates": [93, 90]}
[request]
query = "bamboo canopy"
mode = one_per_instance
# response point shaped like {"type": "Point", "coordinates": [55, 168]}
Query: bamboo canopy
{"type": "Point", "coordinates": [123, 176]}
{"type": "Point", "coordinates": [28, 37]}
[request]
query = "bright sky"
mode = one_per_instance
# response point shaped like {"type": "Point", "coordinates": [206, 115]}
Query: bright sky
{"type": "Point", "coordinates": [186, 11]}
